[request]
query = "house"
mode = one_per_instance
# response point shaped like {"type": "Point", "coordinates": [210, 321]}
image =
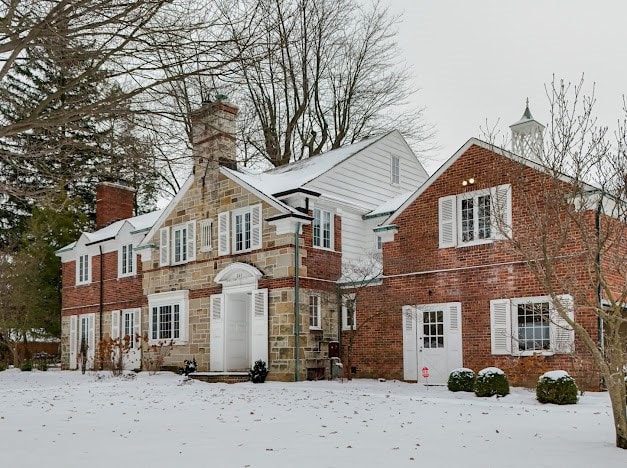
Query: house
{"type": "Point", "coordinates": [238, 267]}
{"type": "Point", "coordinates": [102, 279]}
{"type": "Point", "coordinates": [454, 293]}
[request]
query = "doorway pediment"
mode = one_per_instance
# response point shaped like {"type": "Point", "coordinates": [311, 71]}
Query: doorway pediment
{"type": "Point", "coordinates": [237, 275]}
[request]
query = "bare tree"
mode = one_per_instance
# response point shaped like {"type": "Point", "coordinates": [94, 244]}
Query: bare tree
{"type": "Point", "coordinates": [318, 75]}
{"type": "Point", "coordinates": [574, 239]}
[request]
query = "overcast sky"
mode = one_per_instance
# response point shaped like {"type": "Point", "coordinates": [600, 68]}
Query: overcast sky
{"type": "Point", "coordinates": [480, 59]}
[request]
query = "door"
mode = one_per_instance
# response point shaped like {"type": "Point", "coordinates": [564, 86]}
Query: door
{"type": "Point", "coordinates": [86, 339]}
{"type": "Point", "coordinates": [431, 341]}
{"type": "Point", "coordinates": [237, 332]}
{"type": "Point", "coordinates": [131, 327]}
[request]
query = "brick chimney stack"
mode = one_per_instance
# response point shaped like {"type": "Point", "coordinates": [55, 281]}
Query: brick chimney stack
{"type": "Point", "coordinates": [213, 136]}
{"type": "Point", "coordinates": [114, 202]}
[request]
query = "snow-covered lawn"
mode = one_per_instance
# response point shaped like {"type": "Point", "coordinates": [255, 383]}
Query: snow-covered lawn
{"type": "Point", "coordinates": [65, 419]}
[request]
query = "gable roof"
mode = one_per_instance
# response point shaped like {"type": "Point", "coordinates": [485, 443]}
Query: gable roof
{"type": "Point", "coordinates": [449, 162]}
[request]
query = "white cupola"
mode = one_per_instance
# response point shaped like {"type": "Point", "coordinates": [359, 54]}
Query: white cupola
{"type": "Point", "coordinates": [527, 136]}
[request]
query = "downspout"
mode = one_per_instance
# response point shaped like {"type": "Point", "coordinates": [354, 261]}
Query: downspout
{"type": "Point", "coordinates": [101, 304]}
{"type": "Point", "coordinates": [297, 299]}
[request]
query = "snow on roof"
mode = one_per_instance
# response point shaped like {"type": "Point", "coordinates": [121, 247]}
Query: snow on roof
{"type": "Point", "coordinates": [138, 223]}
{"type": "Point", "coordinates": [389, 206]}
{"type": "Point", "coordinates": [298, 173]}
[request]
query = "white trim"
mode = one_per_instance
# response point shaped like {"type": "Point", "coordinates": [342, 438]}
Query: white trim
{"type": "Point", "coordinates": [186, 244]}
{"type": "Point", "coordinates": [345, 325]}
{"type": "Point", "coordinates": [255, 228]}
{"type": "Point", "coordinates": [126, 260]}
{"type": "Point", "coordinates": [238, 275]}
{"type": "Point", "coordinates": [318, 312]}
{"type": "Point", "coordinates": [83, 269]}
{"type": "Point", "coordinates": [169, 298]}
{"type": "Point", "coordinates": [322, 211]}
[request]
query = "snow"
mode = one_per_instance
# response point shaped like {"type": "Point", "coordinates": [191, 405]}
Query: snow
{"type": "Point", "coordinates": [297, 174]}
{"type": "Point", "coordinates": [490, 371]}
{"type": "Point", "coordinates": [555, 375]}
{"type": "Point", "coordinates": [390, 206]}
{"type": "Point", "coordinates": [461, 370]}
{"type": "Point", "coordinates": [65, 419]}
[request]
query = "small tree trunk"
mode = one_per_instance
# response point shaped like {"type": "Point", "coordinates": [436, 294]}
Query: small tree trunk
{"type": "Point", "coordinates": [616, 389]}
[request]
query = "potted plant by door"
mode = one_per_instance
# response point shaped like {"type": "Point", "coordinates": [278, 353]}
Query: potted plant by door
{"type": "Point", "coordinates": [259, 372]}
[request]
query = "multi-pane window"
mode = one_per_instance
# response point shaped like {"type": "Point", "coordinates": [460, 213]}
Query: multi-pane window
{"type": "Point", "coordinates": [348, 314]}
{"type": "Point", "coordinates": [433, 329]}
{"type": "Point", "coordinates": [314, 312]}
{"type": "Point", "coordinates": [166, 322]}
{"type": "Point", "coordinates": [533, 326]}
{"type": "Point", "coordinates": [378, 243]}
{"type": "Point", "coordinates": [475, 217]}
{"type": "Point", "coordinates": [127, 265]}
{"type": "Point", "coordinates": [128, 328]}
{"type": "Point", "coordinates": [395, 169]}
{"type": "Point", "coordinates": [179, 243]}
{"type": "Point", "coordinates": [242, 231]}
{"type": "Point", "coordinates": [322, 228]}
{"type": "Point", "coordinates": [82, 269]}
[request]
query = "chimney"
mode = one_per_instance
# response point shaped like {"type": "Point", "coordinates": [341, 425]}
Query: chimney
{"type": "Point", "coordinates": [114, 202]}
{"type": "Point", "coordinates": [213, 136]}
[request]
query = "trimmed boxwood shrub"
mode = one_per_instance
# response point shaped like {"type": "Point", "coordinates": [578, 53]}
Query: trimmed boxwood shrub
{"type": "Point", "coordinates": [3, 366]}
{"type": "Point", "coordinates": [461, 380]}
{"type": "Point", "coordinates": [557, 387]}
{"type": "Point", "coordinates": [491, 381]}
{"type": "Point", "coordinates": [26, 366]}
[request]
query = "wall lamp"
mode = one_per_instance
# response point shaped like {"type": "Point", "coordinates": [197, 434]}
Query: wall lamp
{"type": "Point", "coordinates": [470, 181]}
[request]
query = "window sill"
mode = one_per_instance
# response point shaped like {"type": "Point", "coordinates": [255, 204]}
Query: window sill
{"type": "Point", "coordinates": [328, 249]}
{"type": "Point", "coordinates": [473, 243]}
{"type": "Point", "coordinates": [129, 275]}
{"type": "Point", "coordinates": [315, 329]}
{"type": "Point", "coordinates": [533, 353]}
{"type": "Point", "coordinates": [166, 342]}
{"type": "Point", "coordinates": [78, 285]}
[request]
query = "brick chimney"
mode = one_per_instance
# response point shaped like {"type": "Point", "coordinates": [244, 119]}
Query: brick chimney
{"type": "Point", "coordinates": [114, 202]}
{"type": "Point", "coordinates": [213, 136]}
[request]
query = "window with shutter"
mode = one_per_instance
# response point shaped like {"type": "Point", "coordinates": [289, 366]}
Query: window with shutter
{"type": "Point", "coordinates": [168, 317]}
{"type": "Point", "coordinates": [500, 326]}
{"type": "Point", "coordinates": [164, 246]}
{"type": "Point", "coordinates": [247, 229]}
{"type": "Point", "coordinates": [191, 241]}
{"type": "Point", "coordinates": [205, 235]}
{"type": "Point", "coordinates": [223, 233]}
{"type": "Point", "coordinates": [447, 221]}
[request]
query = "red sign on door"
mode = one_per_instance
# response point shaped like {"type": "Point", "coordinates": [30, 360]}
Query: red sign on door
{"type": "Point", "coordinates": [425, 372]}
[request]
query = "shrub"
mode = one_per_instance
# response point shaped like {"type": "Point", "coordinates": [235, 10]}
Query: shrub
{"type": "Point", "coordinates": [189, 367]}
{"type": "Point", "coordinates": [461, 380]}
{"type": "Point", "coordinates": [556, 387]}
{"type": "Point", "coordinates": [491, 381]}
{"type": "Point", "coordinates": [3, 366]}
{"type": "Point", "coordinates": [26, 366]}
{"type": "Point", "coordinates": [259, 372]}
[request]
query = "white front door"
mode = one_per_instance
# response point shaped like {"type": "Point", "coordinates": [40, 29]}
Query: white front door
{"type": "Point", "coordinates": [431, 342]}
{"type": "Point", "coordinates": [131, 327]}
{"type": "Point", "coordinates": [238, 337]}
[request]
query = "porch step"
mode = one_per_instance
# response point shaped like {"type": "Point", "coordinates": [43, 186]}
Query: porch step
{"type": "Point", "coordinates": [220, 377]}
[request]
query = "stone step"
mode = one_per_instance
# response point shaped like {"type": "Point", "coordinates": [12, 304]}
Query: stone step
{"type": "Point", "coordinates": [220, 377]}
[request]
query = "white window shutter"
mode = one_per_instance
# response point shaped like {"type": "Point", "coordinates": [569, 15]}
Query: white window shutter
{"type": "Point", "coordinates": [259, 348]}
{"type": "Point", "coordinates": [256, 224]}
{"type": "Point", "coordinates": [447, 221]}
{"type": "Point", "coordinates": [501, 196]}
{"type": "Point", "coordinates": [562, 335]}
{"type": "Point", "coordinates": [164, 246]}
{"type": "Point", "coordinates": [91, 338]}
{"type": "Point", "coordinates": [223, 233]}
{"type": "Point", "coordinates": [191, 241]}
{"type": "Point", "coordinates": [115, 324]}
{"type": "Point", "coordinates": [137, 327]}
{"type": "Point", "coordinates": [73, 341]}
{"type": "Point", "coordinates": [410, 356]}
{"type": "Point", "coordinates": [216, 333]}
{"type": "Point", "coordinates": [501, 326]}
{"type": "Point", "coordinates": [454, 333]}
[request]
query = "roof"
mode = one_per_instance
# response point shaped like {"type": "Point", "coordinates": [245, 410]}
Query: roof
{"type": "Point", "coordinates": [295, 175]}
{"type": "Point", "coordinates": [389, 207]}
{"type": "Point", "coordinates": [137, 223]}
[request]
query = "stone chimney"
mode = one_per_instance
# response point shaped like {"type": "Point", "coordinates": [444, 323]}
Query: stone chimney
{"type": "Point", "coordinates": [114, 202]}
{"type": "Point", "coordinates": [213, 136]}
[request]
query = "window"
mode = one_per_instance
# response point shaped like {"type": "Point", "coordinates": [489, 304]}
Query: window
{"type": "Point", "coordinates": [533, 326]}
{"type": "Point", "coordinates": [246, 226]}
{"type": "Point", "coordinates": [395, 170]}
{"type": "Point", "coordinates": [126, 260]}
{"type": "Point", "coordinates": [183, 243]}
{"type": "Point", "coordinates": [433, 329]}
{"type": "Point", "coordinates": [83, 269]}
{"type": "Point", "coordinates": [349, 321]}
{"type": "Point", "coordinates": [524, 326]}
{"type": "Point", "coordinates": [322, 229]}
{"type": "Point", "coordinates": [314, 312]}
{"type": "Point", "coordinates": [205, 235]}
{"type": "Point", "coordinates": [475, 217]}
{"type": "Point", "coordinates": [168, 314]}
{"type": "Point", "coordinates": [378, 243]}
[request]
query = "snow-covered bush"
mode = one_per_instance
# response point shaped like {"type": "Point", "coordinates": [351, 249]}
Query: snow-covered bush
{"type": "Point", "coordinates": [491, 381]}
{"type": "Point", "coordinates": [557, 387]}
{"type": "Point", "coordinates": [461, 380]}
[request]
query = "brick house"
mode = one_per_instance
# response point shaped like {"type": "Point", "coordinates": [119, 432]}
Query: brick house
{"type": "Point", "coordinates": [239, 266]}
{"type": "Point", "coordinates": [453, 292]}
